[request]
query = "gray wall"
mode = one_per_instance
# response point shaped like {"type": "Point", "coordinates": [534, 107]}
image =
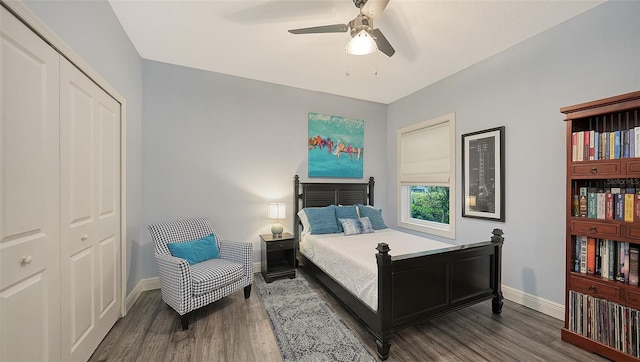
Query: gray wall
{"type": "Point", "coordinates": [92, 30]}
{"type": "Point", "coordinates": [224, 147]}
{"type": "Point", "coordinates": [592, 56]}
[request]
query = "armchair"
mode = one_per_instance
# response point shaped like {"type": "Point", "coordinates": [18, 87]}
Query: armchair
{"type": "Point", "coordinates": [186, 287]}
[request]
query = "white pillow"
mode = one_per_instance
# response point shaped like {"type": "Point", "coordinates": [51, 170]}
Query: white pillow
{"type": "Point", "coordinates": [306, 227]}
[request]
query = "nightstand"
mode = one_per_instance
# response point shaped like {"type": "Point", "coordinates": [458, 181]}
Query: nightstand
{"type": "Point", "coordinates": [278, 256]}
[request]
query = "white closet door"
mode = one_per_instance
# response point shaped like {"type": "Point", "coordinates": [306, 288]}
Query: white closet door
{"type": "Point", "coordinates": [29, 195]}
{"type": "Point", "coordinates": [90, 212]}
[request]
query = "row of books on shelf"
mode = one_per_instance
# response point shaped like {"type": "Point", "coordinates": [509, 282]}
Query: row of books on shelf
{"type": "Point", "coordinates": [609, 323]}
{"type": "Point", "coordinates": [595, 145]}
{"type": "Point", "coordinates": [612, 203]}
{"type": "Point", "coordinates": [614, 260]}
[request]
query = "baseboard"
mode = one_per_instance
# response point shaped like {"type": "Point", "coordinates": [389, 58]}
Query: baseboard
{"type": "Point", "coordinates": [142, 286]}
{"type": "Point", "coordinates": [541, 305]}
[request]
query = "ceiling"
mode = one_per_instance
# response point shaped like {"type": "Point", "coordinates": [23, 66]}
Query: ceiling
{"type": "Point", "coordinates": [433, 39]}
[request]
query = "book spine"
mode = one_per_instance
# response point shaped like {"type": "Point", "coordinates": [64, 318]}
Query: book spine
{"type": "Point", "coordinates": [637, 134]}
{"type": "Point", "coordinates": [592, 203]}
{"type": "Point", "coordinates": [583, 254]}
{"type": "Point", "coordinates": [576, 261]}
{"type": "Point", "coordinates": [625, 143]}
{"type": "Point", "coordinates": [592, 144]}
{"type": "Point", "coordinates": [612, 260]}
{"type": "Point", "coordinates": [629, 200]}
{"type": "Point", "coordinates": [575, 205]}
{"type": "Point", "coordinates": [636, 216]}
{"type": "Point", "coordinates": [600, 208]}
{"type": "Point", "coordinates": [608, 206]}
{"type": "Point", "coordinates": [612, 142]}
{"type": "Point", "coordinates": [582, 202]}
{"type": "Point", "coordinates": [618, 201]}
{"type": "Point", "coordinates": [580, 146]}
{"type": "Point", "coordinates": [574, 146]}
{"type": "Point", "coordinates": [616, 144]}
{"type": "Point", "coordinates": [633, 265]}
{"type": "Point", "coordinates": [632, 142]}
{"type": "Point", "coordinates": [605, 259]}
{"type": "Point", "coordinates": [591, 256]}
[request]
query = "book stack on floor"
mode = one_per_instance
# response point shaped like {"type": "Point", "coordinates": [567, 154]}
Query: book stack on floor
{"type": "Point", "coordinates": [610, 259]}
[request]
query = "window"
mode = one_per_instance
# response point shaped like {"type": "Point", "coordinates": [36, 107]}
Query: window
{"type": "Point", "coordinates": [426, 176]}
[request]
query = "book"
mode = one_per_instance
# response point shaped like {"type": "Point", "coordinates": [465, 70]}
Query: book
{"type": "Point", "coordinates": [636, 204]}
{"type": "Point", "coordinates": [633, 265]}
{"type": "Point", "coordinates": [618, 205]}
{"type": "Point", "coordinates": [629, 203]}
{"type": "Point", "coordinates": [637, 134]}
{"type": "Point", "coordinates": [608, 205]}
{"type": "Point", "coordinates": [605, 145]}
{"type": "Point", "coordinates": [625, 265]}
{"type": "Point", "coordinates": [616, 144]}
{"type": "Point", "coordinates": [575, 205]}
{"type": "Point", "coordinates": [624, 152]}
{"type": "Point", "coordinates": [604, 270]}
{"type": "Point", "coordinates": [583, 254]}
{"type": "Point", "coordinates": [591, 255]}
{"type": "Point", "coordinates": [612, 260]}
{"type": "Point", "coordinates": [576, 260]}
{"type": "Point", "coordinates": [580, 146]}
{"type": "Point", "coordinates": [574, 146]}
{"type": "Point", "coordinates": [612, 138]}
{"type": "Point", "coordinates": [592, 205]}
{"type": "Point", "coordinates": [632, 142]}
{"type": "Point", "coordinates": [587, 146]}
{"type": "Point", "coordinates": [600, 207]}
{"type": "Point", "coordinates": [592, 144]}
{"type": "Point", "coordinates": [582, 202]}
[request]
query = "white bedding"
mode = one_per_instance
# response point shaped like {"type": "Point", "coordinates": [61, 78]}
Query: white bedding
{"type": "Point", "coordinates": [351, 260]}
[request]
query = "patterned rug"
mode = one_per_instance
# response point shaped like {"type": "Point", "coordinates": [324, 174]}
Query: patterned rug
{"type": "Point", "coordinates": [305, 327]}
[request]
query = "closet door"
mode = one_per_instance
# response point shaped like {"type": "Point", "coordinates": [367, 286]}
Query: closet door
{"type": "Point", "coordinates": [90, 212]}
{"type": "Point", "coordinates": [29, 195]}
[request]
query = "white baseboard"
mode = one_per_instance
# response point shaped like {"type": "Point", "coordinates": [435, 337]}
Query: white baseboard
{"type": "Point", "coordinates": [142, 286]}
{"type": "Point", "coordinates": [541, 305]}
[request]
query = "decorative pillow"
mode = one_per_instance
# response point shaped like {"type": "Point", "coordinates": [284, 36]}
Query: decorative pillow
{"type": "Point", "coordinates": [304, 220]}
{"type": "Point", "coordinates": [345, 212]}
{"type": "Point", "coordinates": [374, 215]}
{"type": "Point", "coordinates": [196, 251]}
{"type": "Point", "coordinates": [350, 226]}
{"type": "Point", "coordinates": [365, 225]}
{"type": "Point", "coordinates": [322, 220]}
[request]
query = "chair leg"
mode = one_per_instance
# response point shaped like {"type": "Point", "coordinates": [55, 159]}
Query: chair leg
{"type": "Point", "coordinates": [247, 291]}
{"type": "Point", "coordinates": [185, 321]}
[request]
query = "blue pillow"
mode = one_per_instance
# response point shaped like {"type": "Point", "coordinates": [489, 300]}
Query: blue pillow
{"type": "Point", "coordinates": [322, 220]}
{"type": "Point", "coordinates": [350, 226]}
{"type": "Point", "coordinates": [374, 215]}
{"type": "Point", "coordinates": [345, 212]}
{"type": "Point", "coordinates": [196, 251]}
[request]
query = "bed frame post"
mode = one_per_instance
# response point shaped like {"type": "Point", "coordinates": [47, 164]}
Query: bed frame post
{"type": "Point", "coordinates": [385, 300]}
{"type": "Point", "coordinates": [296, 206]}
{"type": "Point", "coordinates": [496, 302]}
{"type": "Point", "coordinates": [371, 193]}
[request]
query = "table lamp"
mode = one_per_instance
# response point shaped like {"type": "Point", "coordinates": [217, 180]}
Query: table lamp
{"type": "Point", "coordinates": [277, 212]}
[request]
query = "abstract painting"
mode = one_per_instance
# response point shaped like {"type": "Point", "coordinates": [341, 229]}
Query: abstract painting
{"type": "Point", "coordinates": [336, 146]}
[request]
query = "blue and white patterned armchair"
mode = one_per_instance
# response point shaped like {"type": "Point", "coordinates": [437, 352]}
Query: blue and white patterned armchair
{"type": "Point", "coordinates": [188, 287]}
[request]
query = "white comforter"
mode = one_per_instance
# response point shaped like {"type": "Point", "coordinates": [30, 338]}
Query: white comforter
{"type": "Point", "coordinates": [351, 260]}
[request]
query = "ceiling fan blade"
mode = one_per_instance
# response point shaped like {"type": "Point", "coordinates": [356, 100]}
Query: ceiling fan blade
{"type": "Point", "coordinates": [336, 28]}
{"type": "Point", "coordinates": [383, 44]}
{"type": "Point", "coordinates": [374, 8]}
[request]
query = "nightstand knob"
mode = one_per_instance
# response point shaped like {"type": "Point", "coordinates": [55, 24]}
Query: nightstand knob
{"type": "Point", "coordinates": [594, 170]}
{"type": "Point", "coordinates": [593, 289]}
{"type": "Point", "coordinates": [593, 229]}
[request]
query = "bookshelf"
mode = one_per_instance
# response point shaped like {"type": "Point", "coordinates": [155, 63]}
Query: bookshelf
{"type": "Point", "coordinates": [602, 299]}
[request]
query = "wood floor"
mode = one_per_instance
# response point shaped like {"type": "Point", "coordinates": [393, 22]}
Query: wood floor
{"type": "Point", "coordinates": [235, 329]}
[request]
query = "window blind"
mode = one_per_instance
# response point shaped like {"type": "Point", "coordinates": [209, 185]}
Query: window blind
{"type": "Point", "coordinates": [425, 155]}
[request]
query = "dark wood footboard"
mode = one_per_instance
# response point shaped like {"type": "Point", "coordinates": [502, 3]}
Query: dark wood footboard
{"type": "Point", "coordinates": [411, 288]}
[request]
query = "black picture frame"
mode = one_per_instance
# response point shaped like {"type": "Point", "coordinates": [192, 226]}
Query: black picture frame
{"type": "Point", "coordinates": [483, 174]}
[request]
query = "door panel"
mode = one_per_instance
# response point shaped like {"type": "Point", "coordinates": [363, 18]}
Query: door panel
{"type": "Point", "coordinates": [29, 194]}
{"type": "Point", "coordinates": [90, 212]}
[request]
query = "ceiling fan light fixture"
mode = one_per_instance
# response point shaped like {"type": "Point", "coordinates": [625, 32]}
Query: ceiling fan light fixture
{"type": "Point", "coordinates": [362, 43]}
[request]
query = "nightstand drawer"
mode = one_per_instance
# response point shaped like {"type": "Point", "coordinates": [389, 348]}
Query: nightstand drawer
{"type": "Point", "coordinates": [280, 245]}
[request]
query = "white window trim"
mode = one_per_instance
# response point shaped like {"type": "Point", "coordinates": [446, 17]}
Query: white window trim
{"type": "Point", "coordinates": [404, 221]}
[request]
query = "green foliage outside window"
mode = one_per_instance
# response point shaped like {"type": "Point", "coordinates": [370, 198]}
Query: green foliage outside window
{"type": "Point", "coordinates": [430, 203]}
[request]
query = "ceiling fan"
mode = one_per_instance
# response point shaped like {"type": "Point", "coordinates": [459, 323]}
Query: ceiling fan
{"type": "Point", "coordinates": [364, 38]}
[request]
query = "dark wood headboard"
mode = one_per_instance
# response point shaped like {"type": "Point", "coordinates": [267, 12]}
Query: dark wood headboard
{"type": "Point", "coordinates": [317, 194]}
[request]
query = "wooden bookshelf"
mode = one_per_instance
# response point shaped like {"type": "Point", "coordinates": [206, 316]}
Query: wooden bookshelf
{"type": "Point", "coordinates": [602, 169]}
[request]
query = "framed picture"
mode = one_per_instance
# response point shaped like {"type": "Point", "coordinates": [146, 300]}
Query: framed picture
{"type": "Point", "coordinates": [335, 146]}
{"type": "Point", "coordinates": [483, 174]}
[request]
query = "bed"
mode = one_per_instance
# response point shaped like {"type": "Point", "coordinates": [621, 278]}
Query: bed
{"type": "Point", "coordinates": [409, 287]}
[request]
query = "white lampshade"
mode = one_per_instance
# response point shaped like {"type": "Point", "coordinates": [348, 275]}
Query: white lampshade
{"type": "Point", "coordinates": [361, 44]}
{"type": "Point", "coordinates": [277, 210]}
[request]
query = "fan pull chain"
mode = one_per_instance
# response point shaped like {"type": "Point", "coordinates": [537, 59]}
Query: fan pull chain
{"type": "Point", "coordinates": [347, 64]}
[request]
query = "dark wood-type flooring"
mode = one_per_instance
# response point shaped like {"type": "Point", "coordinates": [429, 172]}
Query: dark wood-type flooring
{"type": "Point", "coordinates": [235, 329]}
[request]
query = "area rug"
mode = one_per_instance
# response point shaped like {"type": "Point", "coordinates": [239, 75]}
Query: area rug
{"type": "Point", "coordinates": [306, 329]}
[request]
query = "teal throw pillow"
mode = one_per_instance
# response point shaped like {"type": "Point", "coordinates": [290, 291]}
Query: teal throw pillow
{"type": "Point", "coordinates": [322, 220]}
{"type": "Point", "coordinates": [345, 212]}
{"type": "Point", "coordinates": [374, 215]}
{"type": "Point", "coordinates": [196, 251]}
